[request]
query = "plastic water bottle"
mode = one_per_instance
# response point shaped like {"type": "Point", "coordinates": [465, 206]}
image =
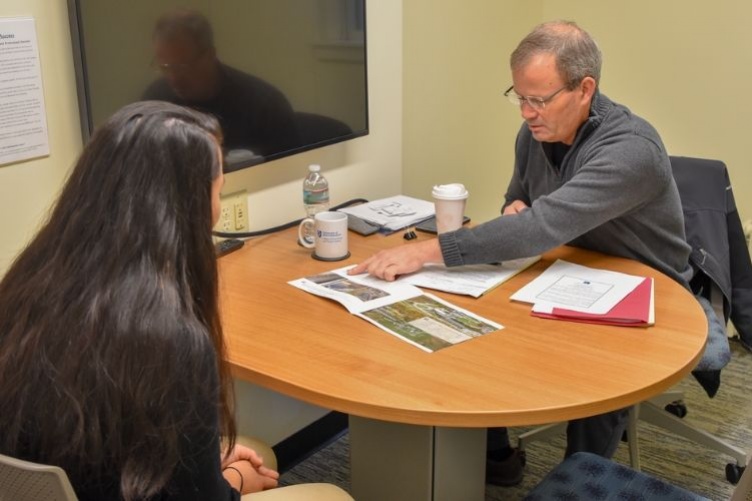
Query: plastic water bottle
{"type": "Point", "coordinates": [315, 191]}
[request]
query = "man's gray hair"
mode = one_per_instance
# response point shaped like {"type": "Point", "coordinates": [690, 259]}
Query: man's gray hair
{"type": "Point", "coordinates": [185, 23]}
{"type": "Point", "coordinates": [577, 55]}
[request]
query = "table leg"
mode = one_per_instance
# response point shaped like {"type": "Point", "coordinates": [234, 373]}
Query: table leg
{"type": "Point", "coordinates": [416, 463]}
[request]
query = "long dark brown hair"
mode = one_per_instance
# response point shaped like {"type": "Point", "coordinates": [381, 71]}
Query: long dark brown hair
{"type": "Point", "coordinates": [104, 317]}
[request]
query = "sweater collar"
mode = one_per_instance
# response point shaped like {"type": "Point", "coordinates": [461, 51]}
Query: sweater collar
{"type": "Point", "coordinates": [599, 108]}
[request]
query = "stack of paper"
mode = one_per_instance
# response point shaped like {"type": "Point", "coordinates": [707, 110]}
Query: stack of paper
{"type": "Point", "coordinates": [471, 280]}
{"type": "Point", "coordinates": [393, 213]}
{"type": "Point", "coordinates": [567, 291]}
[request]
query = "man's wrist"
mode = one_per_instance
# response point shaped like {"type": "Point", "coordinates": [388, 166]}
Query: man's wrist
{"type": "Point", "coordinates": [433, 253]}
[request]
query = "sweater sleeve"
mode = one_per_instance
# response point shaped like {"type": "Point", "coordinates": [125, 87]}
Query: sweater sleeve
{"type": "Point", "coordinates": [612, 181]}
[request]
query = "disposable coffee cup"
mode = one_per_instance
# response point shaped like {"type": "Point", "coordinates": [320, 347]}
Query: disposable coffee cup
{"type": "Point", "coordinates": [449, 201]}
{"type": "Point", "coordinates": [326, 234]}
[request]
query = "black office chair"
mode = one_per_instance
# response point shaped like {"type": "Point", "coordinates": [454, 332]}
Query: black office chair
{"type": "Point", "coordinates": [722, 282]}
{"type": "Point", "coordinates": [722, 276]}
{"type": "Point", "coordinates": [314, 128]}
{"type": "Point", "coordinates": [588, 476]}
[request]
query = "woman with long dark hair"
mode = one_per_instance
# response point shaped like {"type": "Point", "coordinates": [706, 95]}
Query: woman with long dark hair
{"type": "Point", "coordinates": [111, 350]}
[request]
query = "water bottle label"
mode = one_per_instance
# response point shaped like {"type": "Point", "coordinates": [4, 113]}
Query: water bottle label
{"type": "Point", "coordinates": [311, 197]}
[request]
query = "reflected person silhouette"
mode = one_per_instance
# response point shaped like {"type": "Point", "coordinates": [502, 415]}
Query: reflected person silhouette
{"type": "Point", "coordinates": [255, 116]}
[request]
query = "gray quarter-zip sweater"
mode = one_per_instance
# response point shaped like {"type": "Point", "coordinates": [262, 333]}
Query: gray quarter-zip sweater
{"type": "Point", "coordinates": [613, 193]}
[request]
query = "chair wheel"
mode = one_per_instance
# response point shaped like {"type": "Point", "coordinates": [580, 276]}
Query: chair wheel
{"type": "Point", "coordinates": [734, 472]}
{"type": "Point", "coordinates": [677, 408]}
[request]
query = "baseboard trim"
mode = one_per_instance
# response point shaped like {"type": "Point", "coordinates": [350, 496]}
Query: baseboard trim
{"type": "Point", "coordinates": [300, 445]}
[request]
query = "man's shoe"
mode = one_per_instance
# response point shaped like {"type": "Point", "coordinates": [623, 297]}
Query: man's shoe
{"type": "Point", "coordinates": [508, 472]}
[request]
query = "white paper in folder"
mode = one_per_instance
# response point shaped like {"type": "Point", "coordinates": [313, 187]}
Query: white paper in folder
{"type": "Point", "coordinates": [393, 213]}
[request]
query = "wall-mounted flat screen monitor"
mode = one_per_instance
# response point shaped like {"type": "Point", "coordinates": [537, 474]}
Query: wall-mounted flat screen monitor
{"type": "Point", "coordinates": [282, 76]}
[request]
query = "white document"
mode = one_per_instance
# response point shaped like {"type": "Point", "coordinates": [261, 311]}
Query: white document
{"type": "Point", "coordinates": [23, 119]}
{"type": "Point", "coordinates": [578, 288]}
{"type": "Point", "coordinates": [399, 308]}
{"type": "Point", "coordinates": [393, 213]}
{"type": "Point", "coordinates": [471, 280]}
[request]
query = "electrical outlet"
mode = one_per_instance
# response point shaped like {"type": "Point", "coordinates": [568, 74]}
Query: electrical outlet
{"type": "Point", "coordinates": [233, 216]}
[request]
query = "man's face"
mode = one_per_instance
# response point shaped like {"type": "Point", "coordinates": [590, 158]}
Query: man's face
{"type": "Point", "coordinates": [188, 70]}
{"type": "Point", "coordinates": [559, 120]}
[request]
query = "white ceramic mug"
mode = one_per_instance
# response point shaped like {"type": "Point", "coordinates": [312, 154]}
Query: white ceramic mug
{"type": "Point", "coordinates": [329, 235]}
{"type": "Point", "coordinates": [449, 200]}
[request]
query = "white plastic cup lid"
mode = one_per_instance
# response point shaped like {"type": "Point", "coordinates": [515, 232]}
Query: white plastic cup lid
{"type": "Point", "coordinates": [453, 191]}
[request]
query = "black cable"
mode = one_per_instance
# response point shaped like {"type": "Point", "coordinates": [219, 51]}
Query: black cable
{"type": "Point", "coordinates": [267, 231]}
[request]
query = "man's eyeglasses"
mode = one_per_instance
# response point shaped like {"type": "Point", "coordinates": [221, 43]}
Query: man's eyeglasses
{"type": "Point", "coordinates": [536, 103]}
{"type": "Point", "coordinates": [176, 68]}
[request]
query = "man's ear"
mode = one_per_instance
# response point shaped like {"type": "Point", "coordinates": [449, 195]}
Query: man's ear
{"type": "Point", "coordinates": [587, 87]}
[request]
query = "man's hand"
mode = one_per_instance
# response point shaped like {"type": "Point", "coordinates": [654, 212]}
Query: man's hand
{"type": "Point", "coordinates": [515, 208]}
{"type": "Point", "coordinates": [391, 263]}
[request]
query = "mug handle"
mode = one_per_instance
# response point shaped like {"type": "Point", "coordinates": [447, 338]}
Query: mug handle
{"type": "Point", "coordinates": [306, 239]}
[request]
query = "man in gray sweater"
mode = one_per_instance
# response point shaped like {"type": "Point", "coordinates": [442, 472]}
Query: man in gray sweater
{"type": "Point", "coordinates": [588, 173]}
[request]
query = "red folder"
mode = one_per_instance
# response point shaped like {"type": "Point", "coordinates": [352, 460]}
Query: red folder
{"type": "Point", "coordinates": [635, 310]}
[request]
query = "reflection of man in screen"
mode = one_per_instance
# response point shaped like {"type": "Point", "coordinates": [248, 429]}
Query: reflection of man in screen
{"type": "Point", "coordinates": [254, 114]}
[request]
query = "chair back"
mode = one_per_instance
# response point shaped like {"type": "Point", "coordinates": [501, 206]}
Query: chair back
{"type": "Point", "coordinates": [706, 197]}
{"type": "Point", "coordinates": [26, 481]}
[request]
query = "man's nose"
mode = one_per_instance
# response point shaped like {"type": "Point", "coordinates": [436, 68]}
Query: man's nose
{"type": "Point", "coordinates": [527, 111]}
{"type": "Point", "coordinates": [175, 79]}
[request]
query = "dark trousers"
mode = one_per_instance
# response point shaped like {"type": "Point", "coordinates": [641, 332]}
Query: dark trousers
{"type": "Point", "coordinates": [599, 434]}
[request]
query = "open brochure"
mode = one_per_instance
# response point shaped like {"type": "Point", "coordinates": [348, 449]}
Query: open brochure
{"type": "Point", "coordinates": [470, 280]}
{"type": "Point", "coordinates": [399, 308]}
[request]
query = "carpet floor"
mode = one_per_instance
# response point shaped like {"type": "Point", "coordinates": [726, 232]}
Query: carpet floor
{"type": "Point", "coordinates": [662, 454]}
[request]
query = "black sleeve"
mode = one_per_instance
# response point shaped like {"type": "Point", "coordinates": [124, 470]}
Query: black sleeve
{"type": "Point", "coordinates": [199, 475]}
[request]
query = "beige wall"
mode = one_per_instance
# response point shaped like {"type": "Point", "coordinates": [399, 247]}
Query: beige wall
{"type": "Point", "coordinates": [457, 125]}
{"type": "Point", "coordinates": [684, 65]}
{"type": "Point", "coordinates": [680, 64]}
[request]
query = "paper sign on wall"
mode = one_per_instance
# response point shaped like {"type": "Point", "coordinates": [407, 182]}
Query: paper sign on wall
{"type": "Point", "coordinates": [23, 120]}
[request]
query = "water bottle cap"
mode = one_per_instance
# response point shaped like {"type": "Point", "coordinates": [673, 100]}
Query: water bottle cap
{"type": "Point", "coordinates": [314, 167]}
